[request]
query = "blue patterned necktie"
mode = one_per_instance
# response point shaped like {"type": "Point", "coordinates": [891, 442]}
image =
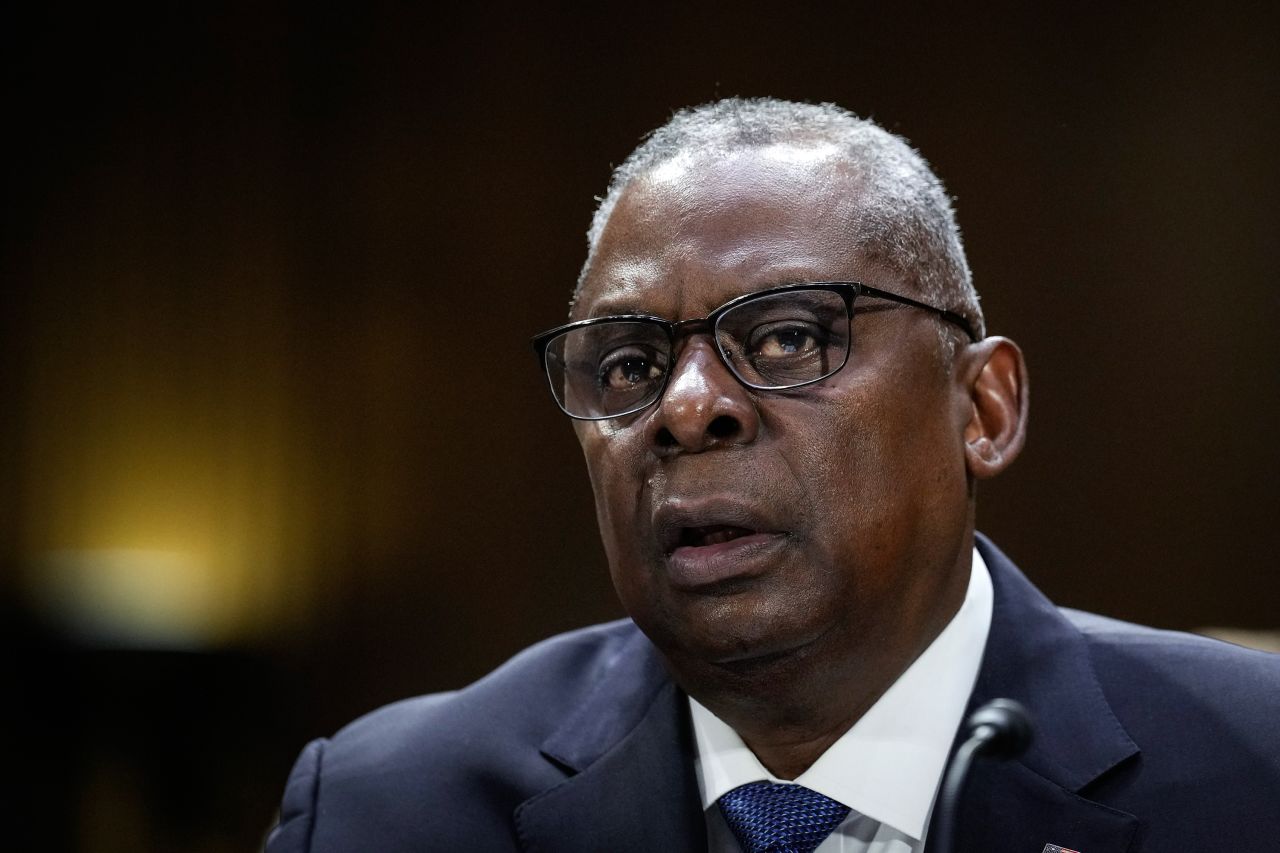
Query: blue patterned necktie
{"type": "Point", "coordinates": [767, 817]}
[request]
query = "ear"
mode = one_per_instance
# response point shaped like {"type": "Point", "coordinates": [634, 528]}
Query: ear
{"type": "Point", "coordinates": [994, 378]}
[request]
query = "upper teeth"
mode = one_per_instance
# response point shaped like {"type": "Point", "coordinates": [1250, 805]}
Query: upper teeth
{"type": "Point", "coordinates": [720, 533]}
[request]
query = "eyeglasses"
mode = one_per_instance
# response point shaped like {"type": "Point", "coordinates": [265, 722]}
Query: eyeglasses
{"type": "Point", "coordinates": [783, 337]}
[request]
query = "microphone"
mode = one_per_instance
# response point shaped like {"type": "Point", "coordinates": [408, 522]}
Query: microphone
{"type": "Point", "coordinates": [1000, 729]}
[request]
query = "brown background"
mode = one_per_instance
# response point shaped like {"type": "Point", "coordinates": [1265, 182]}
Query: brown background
{"type": "Point", "coordinates": [270, 277]}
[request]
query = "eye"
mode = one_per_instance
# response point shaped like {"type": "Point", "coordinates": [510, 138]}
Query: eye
{"type": "Point", "coordinates": [625, 368]}
{"type": "Point", "coordinates": [786, 339]}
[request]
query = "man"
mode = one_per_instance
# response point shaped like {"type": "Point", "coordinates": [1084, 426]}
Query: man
{"type": "Point", "coordinates": [779, 374]}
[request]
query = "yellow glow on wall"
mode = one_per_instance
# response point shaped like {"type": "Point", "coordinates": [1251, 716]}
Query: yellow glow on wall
{"type": "Point", "coordinates": [170, 599]}
{"type": "Point", "coordinates": [201, 440]}
{"type": "Point", "coordinates": [166, 490]}
{"type": "Point", "coordinates": [165, 532]}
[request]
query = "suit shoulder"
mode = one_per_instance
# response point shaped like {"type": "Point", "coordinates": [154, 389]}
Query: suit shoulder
{"type": "Point", "coordinates": [472, 754]}
{"type": "Point", "coordinates": [507, 711]}
{"type": "Point", "coordinates": [1140, 641]}
{"type": "Point", "coordinates": [1187, 674]}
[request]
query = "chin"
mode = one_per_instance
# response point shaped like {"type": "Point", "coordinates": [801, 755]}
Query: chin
{"type": "Point", "coordinates": [738, 640]}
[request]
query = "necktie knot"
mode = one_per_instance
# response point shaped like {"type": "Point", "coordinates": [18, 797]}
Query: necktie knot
{"type": "Point", "coordinates": [768, 817]}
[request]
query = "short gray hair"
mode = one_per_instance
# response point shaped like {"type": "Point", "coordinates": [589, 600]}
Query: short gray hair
{"type": "Point", "coordinates": [907, 222]}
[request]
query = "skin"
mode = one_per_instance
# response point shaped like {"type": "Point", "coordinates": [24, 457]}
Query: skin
{"type": "Point", "coordinates": [860, 487]}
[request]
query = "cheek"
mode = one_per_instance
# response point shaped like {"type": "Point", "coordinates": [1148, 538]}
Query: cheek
{"type": "Point", "coordinates": [841, 446]}
{"type": "Point", "coordinates": [617, 479]}
{"type": "Point", "coordinates": [881, 461]}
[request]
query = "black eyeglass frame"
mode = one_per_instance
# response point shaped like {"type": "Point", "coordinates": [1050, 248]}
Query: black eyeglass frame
{"type": "Point", "coordinates": [847, 290]}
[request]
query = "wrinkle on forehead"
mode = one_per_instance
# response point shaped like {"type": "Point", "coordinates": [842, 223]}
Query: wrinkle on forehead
{"type": "Point", "coordinates": [759, 217]}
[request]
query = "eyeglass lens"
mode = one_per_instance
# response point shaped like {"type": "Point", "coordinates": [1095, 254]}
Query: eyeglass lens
{"type": "Point", "coordinates": [777, 341]}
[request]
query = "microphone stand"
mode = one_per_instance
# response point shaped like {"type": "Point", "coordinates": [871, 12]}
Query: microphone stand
{"type": "Point", "coordinates": [1000, 729]}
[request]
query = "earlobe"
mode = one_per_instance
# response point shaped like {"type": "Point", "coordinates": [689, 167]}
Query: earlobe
{"type": "Point", "coordinates": [995, 380]}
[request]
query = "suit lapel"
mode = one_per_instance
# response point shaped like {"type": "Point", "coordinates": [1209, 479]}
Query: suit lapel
{"type": "Point", "coordinates": [629, 751]}
{"type": "Point", "coordinates": [1036, 656]}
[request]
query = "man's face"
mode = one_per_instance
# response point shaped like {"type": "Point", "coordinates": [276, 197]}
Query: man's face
{"type": "Point", "coordinates": [740, 524]}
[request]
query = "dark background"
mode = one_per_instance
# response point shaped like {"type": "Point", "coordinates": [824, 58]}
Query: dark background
{"type": "Point", "coordinates": [270, 272]}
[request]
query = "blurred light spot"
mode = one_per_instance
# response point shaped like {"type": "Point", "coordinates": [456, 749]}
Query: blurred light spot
{"type": "Point", "coordinates": [133, 598]}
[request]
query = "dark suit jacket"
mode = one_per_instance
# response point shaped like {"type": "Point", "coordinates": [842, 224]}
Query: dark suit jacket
{"type": "Point", "coordinates": [1145, 740]}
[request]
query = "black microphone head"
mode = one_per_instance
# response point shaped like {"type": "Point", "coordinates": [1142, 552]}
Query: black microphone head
{"type": "Point", "coordinates": [1005, 728]}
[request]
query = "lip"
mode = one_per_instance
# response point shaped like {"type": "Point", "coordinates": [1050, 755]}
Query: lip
{"type": "Point", "coordinates": [693, 567]}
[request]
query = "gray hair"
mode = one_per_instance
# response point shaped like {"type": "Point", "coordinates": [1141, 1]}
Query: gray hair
{"type": "Point", "coordinates": [907, 223]}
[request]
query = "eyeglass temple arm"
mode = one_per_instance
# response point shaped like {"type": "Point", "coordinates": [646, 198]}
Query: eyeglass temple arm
{"type": "Point", "coordinates": [949, 316]}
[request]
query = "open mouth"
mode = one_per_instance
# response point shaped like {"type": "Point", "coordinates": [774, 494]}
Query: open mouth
{"type": "Point", "coordinates": [715, 528]}
{"type": "Point", "coordinates": [706, 557]}
{"type": "Point", "coordinates": [711, 534]}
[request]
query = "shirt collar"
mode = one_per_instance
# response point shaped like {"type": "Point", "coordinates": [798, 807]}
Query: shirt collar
{"type": "Point", "coordinates": [889, 764]}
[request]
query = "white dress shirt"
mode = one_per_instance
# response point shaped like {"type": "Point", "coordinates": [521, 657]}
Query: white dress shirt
{"type": "Point", "coordinates": [887, 768]}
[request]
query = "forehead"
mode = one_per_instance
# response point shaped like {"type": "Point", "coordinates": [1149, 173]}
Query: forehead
{"type": "Point", "coordinates": [698, 230]}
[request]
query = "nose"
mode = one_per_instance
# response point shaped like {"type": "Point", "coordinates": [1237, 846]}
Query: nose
{"type": "Point", "coordinates": [703, 406]}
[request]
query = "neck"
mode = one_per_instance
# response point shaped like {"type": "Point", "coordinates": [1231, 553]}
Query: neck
{"type": "Point", "coordinates": [789, 746]}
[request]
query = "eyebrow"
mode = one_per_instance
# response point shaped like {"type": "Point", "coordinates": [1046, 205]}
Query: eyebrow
{"type": "Point", "coordinates": [605, 308]}
{"type": "Point", "coordinates": [625, 309]}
